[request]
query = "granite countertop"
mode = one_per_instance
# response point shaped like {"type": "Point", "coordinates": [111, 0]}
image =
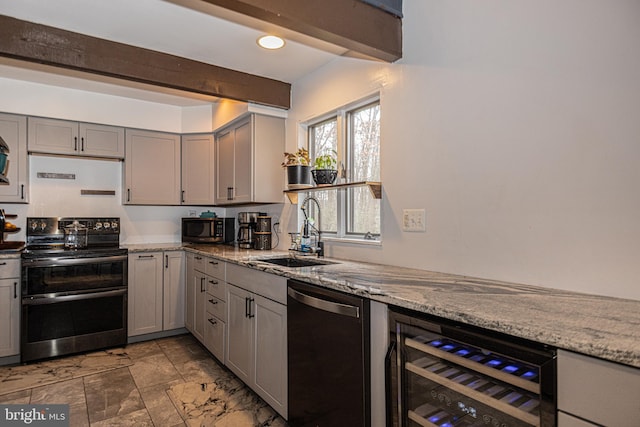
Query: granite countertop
{"type": "Point", "coordinates": [599, 326]}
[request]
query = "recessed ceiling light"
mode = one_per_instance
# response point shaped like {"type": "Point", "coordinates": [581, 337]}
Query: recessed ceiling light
{"type": "Point", "coordinates": [271, 42]}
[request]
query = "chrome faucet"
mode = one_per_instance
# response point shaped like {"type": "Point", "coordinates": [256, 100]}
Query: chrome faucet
{"type": "Point", "coordinates": [319, 249]}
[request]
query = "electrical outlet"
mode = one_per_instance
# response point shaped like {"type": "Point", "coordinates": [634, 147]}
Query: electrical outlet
{"type": "Point", "coordinates": [192, 212]}
{"type": "Point", "coordinates": [414, 220]}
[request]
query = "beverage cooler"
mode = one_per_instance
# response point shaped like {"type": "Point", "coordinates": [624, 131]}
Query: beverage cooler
{"type": "Point", "coordinates": [446, 374]}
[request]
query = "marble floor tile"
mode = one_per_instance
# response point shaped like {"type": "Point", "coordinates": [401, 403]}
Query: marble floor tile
{"type": "Point", "coordinates": [22, 377]}
{"type": "Point", "coordinates": [170, 382]}
{"type": "Point", "coordinates": [160, 407]}
{"type": "Point", "coordinates": [152, 370]}
{"type": "Point", "coordinates": [139, 418]}
{"type": "Point", "coordinates": [111, 394]}
{"type": "Point", "coordinates": [183, 348]}
{"type": "Point", "coordinates": [17, 397]}
{"type": "Point", "coordinates": [70, 392]}
{"type": "Point", "coordinates": [142, 349]}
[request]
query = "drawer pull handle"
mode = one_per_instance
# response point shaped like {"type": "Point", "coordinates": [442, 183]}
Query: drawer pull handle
{"type": "Point", "coordinates": [212, 301]}
{"type": "Point", "coordinates": [213, 282]}
{"type": "Point", "coordinates": [145, 256]}
{"type": "Point", "coordinates": [213, 322]}
{"type": "Point", "coordinates": [198, 258]}
{"type": "Point", "coordinates": [3, 263]}
{"type": "Point", "coordinates": [213, 262]}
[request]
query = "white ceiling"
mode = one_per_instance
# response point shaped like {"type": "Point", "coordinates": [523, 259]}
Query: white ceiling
{"type": "Point", "coordinates": [186, 28]}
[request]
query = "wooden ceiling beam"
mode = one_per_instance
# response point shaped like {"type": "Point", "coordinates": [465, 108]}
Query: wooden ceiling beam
{"type": "Point", "coordinates": [42, 44]}
{"type": "Point", "coordinates": [352, 24]}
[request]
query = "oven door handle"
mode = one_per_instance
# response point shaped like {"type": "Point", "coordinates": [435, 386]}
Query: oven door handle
{"type": "Point", "coordinates": [41, 300]}
{"type": "Point", "coordinates": [60, 262]}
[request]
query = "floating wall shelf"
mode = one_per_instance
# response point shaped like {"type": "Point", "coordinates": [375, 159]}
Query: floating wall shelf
{"type": "Point", "coordinates": [374, 187]}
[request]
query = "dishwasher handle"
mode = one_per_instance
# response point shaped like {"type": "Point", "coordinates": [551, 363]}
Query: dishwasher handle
{"type": "Point", "coordinates": [321, 304]}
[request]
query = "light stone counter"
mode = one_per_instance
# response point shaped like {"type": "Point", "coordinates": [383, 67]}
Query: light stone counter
{"type": "Point", "coordinates": [604, 327]}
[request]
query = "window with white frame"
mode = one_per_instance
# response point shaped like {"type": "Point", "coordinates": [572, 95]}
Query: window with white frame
{"type": "Point", "coordinates": [352, 134]}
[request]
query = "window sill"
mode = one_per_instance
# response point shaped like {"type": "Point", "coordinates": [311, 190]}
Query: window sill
{"type": "Point", "coordinates": [352, 241]}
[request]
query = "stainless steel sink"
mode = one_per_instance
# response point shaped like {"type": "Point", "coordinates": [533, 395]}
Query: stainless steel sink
{"type": "Point", "coordinates": [291, 262]}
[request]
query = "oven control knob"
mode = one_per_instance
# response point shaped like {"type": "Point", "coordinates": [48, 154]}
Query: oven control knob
{"type": "Point", "coordinates": [114, 225]}
{"type": "Point", "coordinates": [106, 225]}
{"type": "Point", "coordinates": [98, 225]}
{"type": "Point", "coordinates": [43, 225]}
{"type": "Point", "coordinates": [33, 225]}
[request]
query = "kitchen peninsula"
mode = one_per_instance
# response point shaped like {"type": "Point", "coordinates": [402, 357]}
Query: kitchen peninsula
{"type": "Point", "coordinates": [597, 326]}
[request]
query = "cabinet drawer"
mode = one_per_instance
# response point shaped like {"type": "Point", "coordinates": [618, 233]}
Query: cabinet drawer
{"type": "Point", "coordinates": [599, 391]}
{"type": "Point", "coordinates": [9, 268]}
{"type": "Point", "coordinates": [216, 287]}
{"type": "Point", "coordinates": [268, 285]}
{"type": "Point", "coordinates": [199, 263]}
{"type": "Point", "coordinates": [215, 268]}
{"type": "Point", "coordinates": [216, 307]}
{"type": "Point", "coordinates": [214, 336]}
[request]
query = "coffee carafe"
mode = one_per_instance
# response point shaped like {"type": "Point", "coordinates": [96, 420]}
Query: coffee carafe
{"type": "Point", "coordinates": [246, 228]}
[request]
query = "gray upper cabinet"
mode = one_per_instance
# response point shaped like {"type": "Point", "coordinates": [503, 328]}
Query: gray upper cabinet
{"type": "Point", "coordinates": [52, 136]}
{"type": "Point", "coordinates": [151, 168]}
{"type": "Point", "coordinates": [13, 130]}
{"type": "Point", "coordinates": [248, 154]}
{"type": "Point", "coordinates": [198, 170]}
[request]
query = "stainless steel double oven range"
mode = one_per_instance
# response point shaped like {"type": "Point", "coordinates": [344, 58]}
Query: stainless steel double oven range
{"type": "Point", "coordinates": [74, 298]}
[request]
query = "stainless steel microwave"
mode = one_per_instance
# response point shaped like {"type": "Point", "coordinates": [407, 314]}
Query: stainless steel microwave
{"type": "Point", "coordinates": [208, 230]}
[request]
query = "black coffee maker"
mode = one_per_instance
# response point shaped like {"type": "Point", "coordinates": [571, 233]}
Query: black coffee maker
{"type": "Point", "coordinates": [247, 222]}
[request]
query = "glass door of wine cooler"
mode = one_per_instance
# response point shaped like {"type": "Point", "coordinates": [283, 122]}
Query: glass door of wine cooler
{"type": "Point", "coordinates": [447, 377]}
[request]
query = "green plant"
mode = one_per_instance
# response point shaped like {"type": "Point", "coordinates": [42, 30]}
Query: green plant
{"type": "Point", "coordinates": [325, 161]}
{"type": "Point", "coordinates": [300, 157]}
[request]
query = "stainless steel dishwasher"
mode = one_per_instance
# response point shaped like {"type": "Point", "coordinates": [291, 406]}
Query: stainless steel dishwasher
{"type": "Point", "coordinates": [328, 357]}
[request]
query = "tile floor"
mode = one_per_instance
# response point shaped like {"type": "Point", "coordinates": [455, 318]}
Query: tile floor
{"type": "Point", "coordinates": [167, 382]}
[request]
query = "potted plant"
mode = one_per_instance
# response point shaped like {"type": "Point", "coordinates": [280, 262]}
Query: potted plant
{"type": "Point", "coordinates": [324, 169]}
{"type": "Point", "coordinates": [298, 168]}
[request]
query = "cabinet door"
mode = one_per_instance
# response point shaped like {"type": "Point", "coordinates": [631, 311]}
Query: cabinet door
{"type": "Point", "coordinates": [13, 130]}
{"type": "Point", "coordinates": [198, 170]}
{"type": "Point", "coordinates": [152, 168]}
{"type": "Point", "coordinates": [243, 164]}
{"type": "Point", "coordinates": [145, 293]}
{"type": "Point", "coordinates": [200, 296]}
{"type": "Point", "coordinates": [190, 293]}
{"type": "Point", "coordinates": [224, 166]}
{"type": "Point", "coordinates": [270, 343]}
{"type": "Point", "coordinates": [9, 317]}
{"type": "Point", "coordinates": [239, 333]}
{"type": "Point", "coordinates": [101, 141]}
{"type": "Point", "coordinates": [174, 290]}
{"type": "Point", "coordinates": [53, 136]}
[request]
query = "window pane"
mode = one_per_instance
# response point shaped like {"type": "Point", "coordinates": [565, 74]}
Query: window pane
{"type": "Point", "coordinates": [364, 166]}
{"type": "Point", "coordinates": [324, 138]}
{"type": "Point", "coordinates": [365, 143]}
{"type": "Point", "coordinates": [328, 210]}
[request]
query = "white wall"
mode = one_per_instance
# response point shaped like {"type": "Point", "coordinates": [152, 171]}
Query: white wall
{"type": "Point", "coordinates": [515, 125]}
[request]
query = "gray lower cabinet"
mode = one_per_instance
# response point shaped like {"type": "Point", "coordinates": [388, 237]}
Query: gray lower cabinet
{"type": "Point", "coordinates": [156, 292]}
{"type": "Point", "coordinates": [206, 308]}
{"type": "Point", "coordinates": [257, 333]}
{"type": "Point", "coordinates": [596, 392]}
{"type": "Point", "coordinates": [9, 307]}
